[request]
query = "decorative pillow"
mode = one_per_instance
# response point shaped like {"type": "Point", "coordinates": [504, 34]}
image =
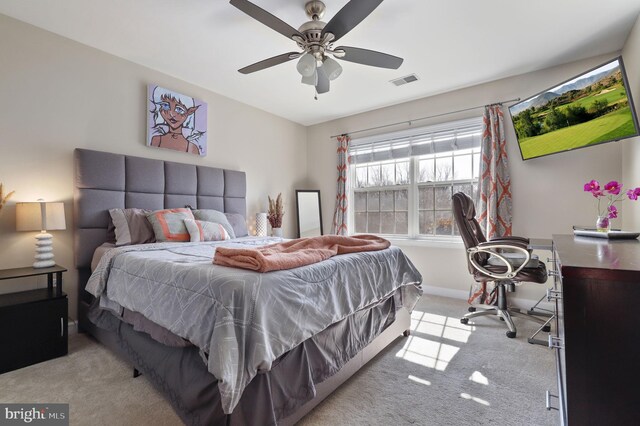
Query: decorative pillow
{"type": "Point", "coordinates": [238, 223]}
{"type": "Point", "coordinates": [209, 215]}
{"type": "Point", "coordinates": [200, 230]}
{"type": "Point", "coordinates": [111, 231]}
{"type": "Point", "coordinates": [168, 225]}
{"type": "Point", "coordinates": [131, 226]}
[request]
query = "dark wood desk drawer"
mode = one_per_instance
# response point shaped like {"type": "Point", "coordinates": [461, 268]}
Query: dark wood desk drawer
{"type": "Point", "coordinates": [597, 320]}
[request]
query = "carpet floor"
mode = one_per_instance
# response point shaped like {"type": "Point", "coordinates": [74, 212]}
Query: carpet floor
{"type": "Point", "coordinates": [445, 373]}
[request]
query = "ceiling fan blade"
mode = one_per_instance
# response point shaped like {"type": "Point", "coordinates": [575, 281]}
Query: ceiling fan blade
{"type": "Point", "coordinates": [349, 16]}
{"type": "Point", "coordinates": [323, 81]}
{"type": "Point", "coordinates": [266, 18]}
{"type": "Point", "coordinates": [369, 57]}
{"type": "Point", "coordinates": [266, 63]}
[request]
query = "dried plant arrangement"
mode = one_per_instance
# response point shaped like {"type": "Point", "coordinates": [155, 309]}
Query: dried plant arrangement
{"type": "Point", "coordinates": [276, 211]}
{"type": "Point", "coordinates": [4, 198]}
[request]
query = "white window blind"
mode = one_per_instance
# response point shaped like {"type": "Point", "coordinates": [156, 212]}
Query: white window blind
{"type": "Point", "coordinates": [446, 137]}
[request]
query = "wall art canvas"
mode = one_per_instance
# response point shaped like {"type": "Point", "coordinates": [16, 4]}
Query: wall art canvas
{"type": "Point", "coordinates": [176, 121]}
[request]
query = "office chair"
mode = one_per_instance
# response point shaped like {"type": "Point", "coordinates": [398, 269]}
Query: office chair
{"type": "Point", "coordinates": [504, 261]}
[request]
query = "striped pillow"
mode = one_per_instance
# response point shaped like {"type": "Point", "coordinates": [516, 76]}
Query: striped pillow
{"type": "Point", "coordinates": [209, 215]}
{"type": "Point", "coordinates": [200, 230]}
{"type": "Point", "coordinates": [168, 225]}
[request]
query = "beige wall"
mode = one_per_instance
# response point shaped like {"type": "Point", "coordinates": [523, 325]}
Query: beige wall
{"type": "Point", "coordinates": [59, 95]}
{"type": "Point", "coordinates": [631, 147]}
{"type": "Point", "coordinates": [547, 192]}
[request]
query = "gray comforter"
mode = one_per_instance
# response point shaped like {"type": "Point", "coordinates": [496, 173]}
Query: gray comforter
{"type": "Point", "coordinates": [242, 319]}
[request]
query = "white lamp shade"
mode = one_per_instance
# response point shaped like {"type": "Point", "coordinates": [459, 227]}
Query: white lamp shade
{"type": "Point", "coordinates": [332, 68]}
{"type": "Point", "coordinates": [261, 224]}
{"type": "Point", "coordinates": [312, 80]}
{"type": "Point", "coordinates": [40, 216]}
{"type": "Point", "coordinates": [306, 65]}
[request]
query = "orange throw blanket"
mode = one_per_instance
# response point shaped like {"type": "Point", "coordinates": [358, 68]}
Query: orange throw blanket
{"type": "Point", "coordinates": [295, 253]}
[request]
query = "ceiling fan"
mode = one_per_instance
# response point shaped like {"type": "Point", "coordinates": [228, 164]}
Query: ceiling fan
{"type": "Point", "coordinates": [316, 39]}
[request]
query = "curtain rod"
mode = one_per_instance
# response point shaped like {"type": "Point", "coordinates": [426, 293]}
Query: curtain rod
{"type": "Point", "coordinates": [410, 122]}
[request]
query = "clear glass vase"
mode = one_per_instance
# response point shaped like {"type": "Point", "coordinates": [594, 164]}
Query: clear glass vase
{"type": "Point", "coordinates": [603, 224]}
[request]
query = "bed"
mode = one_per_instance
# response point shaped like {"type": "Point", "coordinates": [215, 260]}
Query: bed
{"type": "Point", "coordinates": [260, 348]}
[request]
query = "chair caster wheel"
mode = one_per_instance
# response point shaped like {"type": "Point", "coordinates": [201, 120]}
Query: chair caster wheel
{"type": "Point", "coordinates": [511, 334]}
{"type": "Point", "coordinates": [546, 328]}
{"type": "Point", "coordinates": [471, 309]}
{"type": "Point", "coordinates": [464, 320]}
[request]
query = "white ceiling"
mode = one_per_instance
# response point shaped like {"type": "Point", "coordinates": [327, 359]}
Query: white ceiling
{"type": "Point", "coordinates": [449, 44]}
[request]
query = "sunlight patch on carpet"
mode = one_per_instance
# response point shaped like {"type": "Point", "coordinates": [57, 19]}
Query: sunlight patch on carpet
{"type": "Point", "coordinates": [441, 326]}
{"type": "Point", "coordinates": [427, 352]}
{"type": "Point", "coordinates": [474, 398]}
{"type": "Point", "coordinates": [419, 380]}
{"type": "Point", "coordinates": [478, 377]}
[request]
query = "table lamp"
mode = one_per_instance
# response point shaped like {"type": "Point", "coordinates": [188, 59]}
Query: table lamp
{"type": "Point", "coordinates": [261, 224]}
{"type": "Point", "coordinates": [43, 217]}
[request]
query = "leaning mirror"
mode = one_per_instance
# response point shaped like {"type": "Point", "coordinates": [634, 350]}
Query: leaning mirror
{"type": "Point", "coordinates": [309, 213]}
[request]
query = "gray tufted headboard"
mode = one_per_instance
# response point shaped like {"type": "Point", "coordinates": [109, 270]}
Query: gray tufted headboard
{"type": "Point", "coordinates": [105, 181]}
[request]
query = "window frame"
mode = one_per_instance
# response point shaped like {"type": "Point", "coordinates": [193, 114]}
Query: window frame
{"type": "Point", "coordinates": [413, 186]}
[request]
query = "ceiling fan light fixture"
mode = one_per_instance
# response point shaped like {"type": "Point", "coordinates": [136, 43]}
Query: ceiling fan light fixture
{"type": "Point", "coordinates": [332, 68]}
{"type": "Point", "coordinates": [312, 80]}
{"type": "Point", "coordinates": [315, 40]}
{"type": "Point", "coordinates": [307, 65]}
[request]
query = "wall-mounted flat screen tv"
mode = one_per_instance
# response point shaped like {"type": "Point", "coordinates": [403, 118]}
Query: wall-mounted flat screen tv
{"type": "Point", "coordinates": [592, 108]}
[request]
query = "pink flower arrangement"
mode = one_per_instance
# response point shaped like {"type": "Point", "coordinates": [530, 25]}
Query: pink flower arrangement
{"type": "Point", "coordinates": [611, 192]}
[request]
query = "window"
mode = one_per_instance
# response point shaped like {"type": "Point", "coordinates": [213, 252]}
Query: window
{"type": "Point", "coordinates": [402, 183]}
{"type": "Point", "coordinates": [381, 200]}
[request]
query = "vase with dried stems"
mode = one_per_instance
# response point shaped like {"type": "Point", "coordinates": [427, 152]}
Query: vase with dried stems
{"type": "Point", "coordinates": [275, 214]}
{"type": "Point", "coordinates": [4, 198]}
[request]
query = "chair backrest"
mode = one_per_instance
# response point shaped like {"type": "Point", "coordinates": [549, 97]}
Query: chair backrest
{"type": "Point", "coordinates": [464, 213]}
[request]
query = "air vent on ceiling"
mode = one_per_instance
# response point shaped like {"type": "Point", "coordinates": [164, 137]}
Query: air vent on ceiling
{"type": "Point", "coordinates": [404, 80]}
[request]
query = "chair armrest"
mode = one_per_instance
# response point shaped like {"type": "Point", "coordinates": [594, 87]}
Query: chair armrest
{"type": "Point", "coordinates": [516, 245]}
{"type": "Point", "coordinates": [511, 238]}
{"type": "Point", "coordinates": [490, 248]}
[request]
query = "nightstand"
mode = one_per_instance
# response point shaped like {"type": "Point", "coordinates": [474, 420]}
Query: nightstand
{"type": "Point", "coordinates": [33, 324]}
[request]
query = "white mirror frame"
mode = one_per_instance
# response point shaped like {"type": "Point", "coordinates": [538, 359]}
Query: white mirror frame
{"type": "Point", "coordinates": [308, 210]}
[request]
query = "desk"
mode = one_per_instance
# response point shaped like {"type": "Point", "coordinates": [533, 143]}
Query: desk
{"type": "Point", "coordinates": [540, 244]}
{"type": "Point", "coordinates": [598, 335]}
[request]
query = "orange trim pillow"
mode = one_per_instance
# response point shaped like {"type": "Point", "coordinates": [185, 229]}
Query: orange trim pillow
{"type": "Point", "coordinates": [168, 225]}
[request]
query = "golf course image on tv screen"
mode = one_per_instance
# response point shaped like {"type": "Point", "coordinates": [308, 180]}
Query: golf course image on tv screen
{"type": "Point", "coordinates": [590, 109]}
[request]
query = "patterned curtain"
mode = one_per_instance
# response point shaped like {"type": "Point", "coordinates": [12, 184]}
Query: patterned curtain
{"type": "Point", "coordinates": [339, 226]}
{"type": "Point", "coordinates": [495, 183]}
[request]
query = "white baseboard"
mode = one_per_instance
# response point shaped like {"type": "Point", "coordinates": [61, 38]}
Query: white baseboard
{"type": "Point", "coordinates": [453, 293]}
{"type": "Point", "coordinates": [72, 327]}
{"type": "Point", "coordinates": [445, 292]}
